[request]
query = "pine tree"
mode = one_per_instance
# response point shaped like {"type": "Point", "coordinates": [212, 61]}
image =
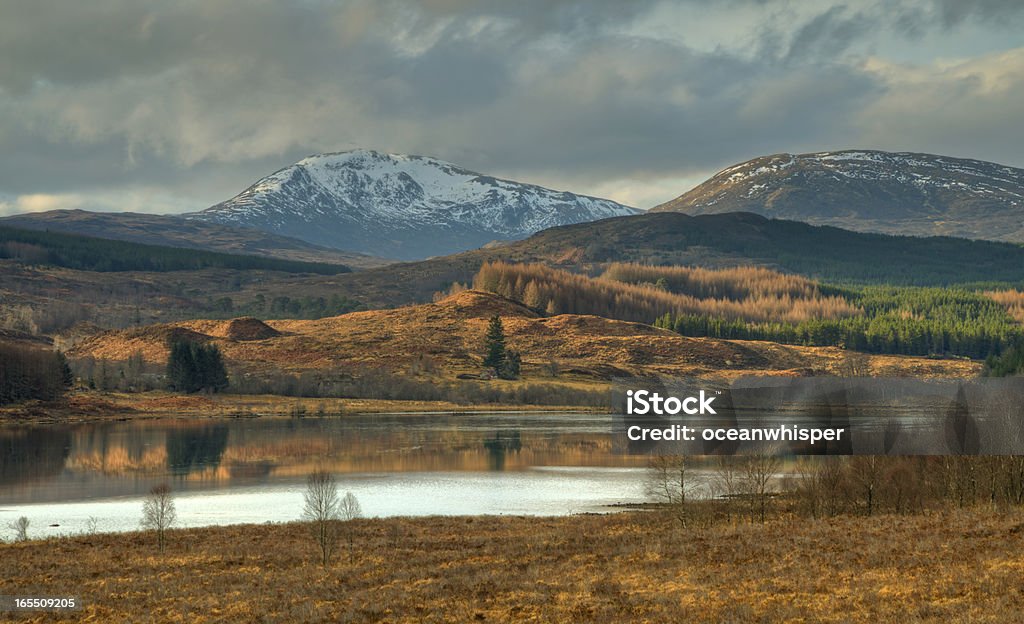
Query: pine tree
{"type": "Point", "coordinates": [67, 378]}
{"type": "Point", "coordinates": [179, 366]}
{"type": "Point", "coordinates": [215, 374]}
{"type": "Point", "coordinates": [494, 344]}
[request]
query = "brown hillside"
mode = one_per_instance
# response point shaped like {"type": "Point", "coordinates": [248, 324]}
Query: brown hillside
{"type": "Point", "coordinates": [450, 333]}
{"type": "Point", "coordinates": [13, 336]}
{"type": "Point", "coordinates": [244, 328]}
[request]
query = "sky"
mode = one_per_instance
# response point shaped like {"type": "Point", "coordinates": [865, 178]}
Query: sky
{"type": "Point", "coordinates": [172, 106]}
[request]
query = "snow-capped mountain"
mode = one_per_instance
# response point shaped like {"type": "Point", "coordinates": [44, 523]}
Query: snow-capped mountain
{"type": "Point", "coordinates": [400, 206]}
{"type": "Point", "coordinates": [871, 191]}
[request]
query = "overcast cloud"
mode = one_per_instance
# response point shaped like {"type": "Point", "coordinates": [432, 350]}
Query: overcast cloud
{"type": "Point", "coordinates": [173, 106]}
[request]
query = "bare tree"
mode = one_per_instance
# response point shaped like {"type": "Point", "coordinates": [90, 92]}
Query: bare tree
{"type": "Point", "coordinates": [349, 510]}
{"type": "Point", "coordinates": [866, 477]}
{"type": "Point", "coordinates": [158, 513]}
{"type": "Point", "coordinates": [670, 483]}
{"type": "Point", "coordinates": [322, 508]}
{"type": "Point", "coordinates": [832, 481]}
{"type": "Point", "coordinates": [20, 528]}
{"type": "Point", "coordinates": [760, 468]}
{"type": "Point", "coordinates": [808, 485]}
{"type": "Point", "coordinates": [727, 483]}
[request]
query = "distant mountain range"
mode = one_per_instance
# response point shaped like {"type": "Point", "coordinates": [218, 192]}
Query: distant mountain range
{"type": "Point", "coordinates": [174, 231]}
{"type": "Point", "coordinates": [399, 206]}
{"type": "Point", "coordinates": [830, 254]}
{"type": "Point", "coordinates": [413, 207]}
{"type": "Point", "coordinates": [870, 191]}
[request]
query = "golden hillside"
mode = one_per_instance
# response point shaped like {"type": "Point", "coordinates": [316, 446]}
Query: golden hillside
{"type": "Point", "coordinates": [450, 333]}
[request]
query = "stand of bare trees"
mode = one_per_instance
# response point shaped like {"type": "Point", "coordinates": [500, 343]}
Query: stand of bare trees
{"type": "Point", "coordinates": [30, 372]}
{"type": "Point", "coordinates": [673, 485]}
{"type": "Point", "coordinates": [867, 485]}
{"type": "Point", "coordinates": [683, 485]}
{"type": "Point", "coordinates": [749, 294]}
{"type": "Point", "coordinates": [696, 490]}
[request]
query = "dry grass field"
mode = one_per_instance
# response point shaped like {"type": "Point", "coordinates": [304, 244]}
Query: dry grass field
{"type": "Point", "coordinates": [956, 566]}
{"type": "Point", "coordinates": [450, 334]}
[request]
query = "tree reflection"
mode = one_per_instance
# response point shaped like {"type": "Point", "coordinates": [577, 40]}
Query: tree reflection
{"type": "Point", "coordinates": [31, 454]}
{"type": "Point", "coordinates": [499, 445]}
{"type": "Point", "coordinates": [201, 448]}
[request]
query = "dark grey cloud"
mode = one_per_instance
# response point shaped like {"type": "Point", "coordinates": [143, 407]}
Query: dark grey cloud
{"type": "Point", "coordinates": [1006, 13]}
{"type": "Point", "coordinates": [192, 101]}
{"type": "Point", "coordinates": [830, 33]}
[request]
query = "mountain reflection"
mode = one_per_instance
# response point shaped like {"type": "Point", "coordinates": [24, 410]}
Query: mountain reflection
{"type": "Point", "coordinates": [64, 462]}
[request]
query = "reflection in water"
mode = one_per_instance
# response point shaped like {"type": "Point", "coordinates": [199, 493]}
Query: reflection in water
{"type": "Point", "coordinates": [201, 448]}
{"type": "Point", "coordinates": [61, 463]}
{"type": "Point", "coordinates": [498, 445]}
{"type": "Point", "coordinates": [31, 454]}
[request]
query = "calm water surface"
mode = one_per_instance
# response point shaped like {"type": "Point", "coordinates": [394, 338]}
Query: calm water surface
{"type": "Point", "coordinates": [253, 470]}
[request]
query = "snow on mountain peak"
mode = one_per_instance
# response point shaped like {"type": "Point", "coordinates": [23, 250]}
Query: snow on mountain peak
{"type": "Point", "coordinates": [363, 199]}
{"type": "Point", "coordinates": [870, 190]}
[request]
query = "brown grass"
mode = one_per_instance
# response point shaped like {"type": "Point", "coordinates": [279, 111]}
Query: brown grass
{"type": "Point", "coordinates": [631, 567]}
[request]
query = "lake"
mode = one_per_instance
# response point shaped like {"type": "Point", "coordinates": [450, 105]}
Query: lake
{"type": "Point", "coordinates": [253, 470]}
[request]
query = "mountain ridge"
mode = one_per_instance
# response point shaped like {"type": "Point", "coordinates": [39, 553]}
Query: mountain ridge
{"type": "Point", "coordinates": [402, 206]}
{"type": "Point", "coordinates": [174, 231]}
{"type": "Point", "coordinates": [870, 191]}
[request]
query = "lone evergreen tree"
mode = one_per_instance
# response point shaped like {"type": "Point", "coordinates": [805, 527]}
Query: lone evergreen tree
{"type": "Point", "coordinates": [506, 363]}
{"type": "Point", "coordinates": [494, 344]}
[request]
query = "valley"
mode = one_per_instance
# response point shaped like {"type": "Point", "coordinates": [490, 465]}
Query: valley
{"type": "Point", "coordinates": [662, 294]}
{"type": "Point", "coordinates": [477, 311]}
{"type": "Point", "coordinates": [432, 353]}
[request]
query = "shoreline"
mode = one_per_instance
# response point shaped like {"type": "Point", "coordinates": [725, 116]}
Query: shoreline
{"type": "Point", "coordinates": [94, 406]}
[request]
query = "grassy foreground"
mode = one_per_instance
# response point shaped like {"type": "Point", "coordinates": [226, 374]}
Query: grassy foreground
{"type": "Point", "coordinates": [943, 567]}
